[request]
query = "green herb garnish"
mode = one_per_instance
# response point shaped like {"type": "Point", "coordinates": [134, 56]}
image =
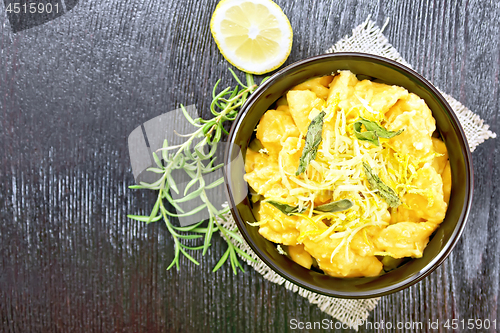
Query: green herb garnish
{"type": "Point", "coordinates": [383, 191]}
{"type": "Point", "coordinates": [373, 131]}
{"type": "Point", "coordinates": [313, 139]}
{"type": "Point", "coordinates": [286, 209]}
{"type": "Point", "coordinates": [196, 163]}
{"type": "Point", "coordinates": [331, 207]}
{"type": "Point", "coordinates": [336, 206]}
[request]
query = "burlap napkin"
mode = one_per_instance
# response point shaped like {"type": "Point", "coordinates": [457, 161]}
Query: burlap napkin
{"type": "Point", "coordinates": [366, 38]}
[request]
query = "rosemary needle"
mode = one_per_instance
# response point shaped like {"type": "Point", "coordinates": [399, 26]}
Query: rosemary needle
{"type": "Point", "coordinates": [224, 107]}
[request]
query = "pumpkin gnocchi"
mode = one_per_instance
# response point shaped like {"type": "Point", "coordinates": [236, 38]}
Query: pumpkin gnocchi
{"type": "Point", "coordinates": [373, 188]}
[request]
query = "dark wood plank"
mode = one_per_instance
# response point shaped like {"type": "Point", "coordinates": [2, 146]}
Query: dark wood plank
{"type": "Point", "coordinates": [73, 89]}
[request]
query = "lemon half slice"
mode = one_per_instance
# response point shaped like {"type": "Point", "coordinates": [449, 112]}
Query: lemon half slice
{"type": "Point", "coordinates": [253, 35]}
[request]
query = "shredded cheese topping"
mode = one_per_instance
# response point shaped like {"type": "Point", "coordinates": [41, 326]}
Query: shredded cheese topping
{"type": "Point", "coordinates": [337, 173]}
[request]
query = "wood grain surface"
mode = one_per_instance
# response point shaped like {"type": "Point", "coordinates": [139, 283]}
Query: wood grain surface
{"type": "Point", "coordinates": [71, 91]}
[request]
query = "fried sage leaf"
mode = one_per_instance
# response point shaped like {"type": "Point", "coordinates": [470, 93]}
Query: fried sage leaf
{"type": "Point", "coordinates": [336, 206]}
{"type": "Point", "coordinates": [373, 131]}
{"type": "Point", "coordinates": [284, 208]}
{"type": "Point", "coordinates": [383, 191]}
{"type": "Point", "coordinates": [331, 207]}
{"type": "Point", "coordinates": [313, 139]}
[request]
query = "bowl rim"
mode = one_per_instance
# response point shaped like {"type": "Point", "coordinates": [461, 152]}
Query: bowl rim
{"type": "Point", "coordinates": [420, 274]}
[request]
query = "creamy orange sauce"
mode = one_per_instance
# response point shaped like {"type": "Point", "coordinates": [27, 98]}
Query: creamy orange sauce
{"type": "Point", "coordinates": [414, 164]}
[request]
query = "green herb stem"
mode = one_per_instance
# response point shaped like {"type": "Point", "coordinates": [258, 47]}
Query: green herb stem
{"type": "Point", "coordinates": [193, 161]}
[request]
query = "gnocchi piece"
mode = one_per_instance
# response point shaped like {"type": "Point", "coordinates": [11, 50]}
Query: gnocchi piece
{"type": "Point", "coordinates": [363, 243]}
{"type": "Point", "coordinates": [405, 239]}
{"type": "Point", "coordinates": [317, 85]}
{"type": "Point", "coordinates": [439, 162]}
{"type": "Point", "coordinates": [274, 127]}
{"type": "Point", "coordinates": [284, 108]}
{"type": "Point", "coordinates": [262, 174]}
{"type": "Point", "coordinates": [342, 93]}
{"type": "Point", "coordinates": [408, 103]}
{"type": "Point", "coordinates": [300, 256]}
{"type": "Point", "coordinates": [301, 103]}
{"type": "Point", "coordinates": [290, 154]}
{"type": "Point", "coordinates": [427, 199]}
{"type": "Point", "coordinates": [279, 228]}
{"type": "Point", "coordinates": [378, 96]}
{"type": "Point", "coordinates": [345, 263]}
{"type": "Point", "coordinates": [415, 140]}
{"type": "Point", "coordinates": [446, 175]}
{"type": "Point", "coordinates": [406, 214]}
{"type": "Point", "coordinates": [282, 101]}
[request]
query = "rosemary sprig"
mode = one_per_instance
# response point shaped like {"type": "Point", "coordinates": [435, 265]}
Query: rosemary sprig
{"type": "Point", "coordinates": [196, 163]}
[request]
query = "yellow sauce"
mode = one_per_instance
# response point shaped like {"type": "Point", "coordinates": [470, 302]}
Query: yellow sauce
{"type": "Point", "coordinates": [415, 165]}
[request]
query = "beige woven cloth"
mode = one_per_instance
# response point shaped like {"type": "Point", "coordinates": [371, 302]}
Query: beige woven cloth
{"type": "Point", "coordinates": [366, 38]}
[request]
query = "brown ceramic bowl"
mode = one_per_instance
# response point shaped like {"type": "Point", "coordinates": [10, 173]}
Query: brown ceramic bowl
{"type": "Point", "coordinates": [382, 70]}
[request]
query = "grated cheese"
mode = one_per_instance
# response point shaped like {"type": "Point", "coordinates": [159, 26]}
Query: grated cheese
{"type": "Point", "coordinates": [337, 173]}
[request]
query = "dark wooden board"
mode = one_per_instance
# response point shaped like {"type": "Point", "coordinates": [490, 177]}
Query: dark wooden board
{"type": "Point", "coordinates": [71, 91]}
